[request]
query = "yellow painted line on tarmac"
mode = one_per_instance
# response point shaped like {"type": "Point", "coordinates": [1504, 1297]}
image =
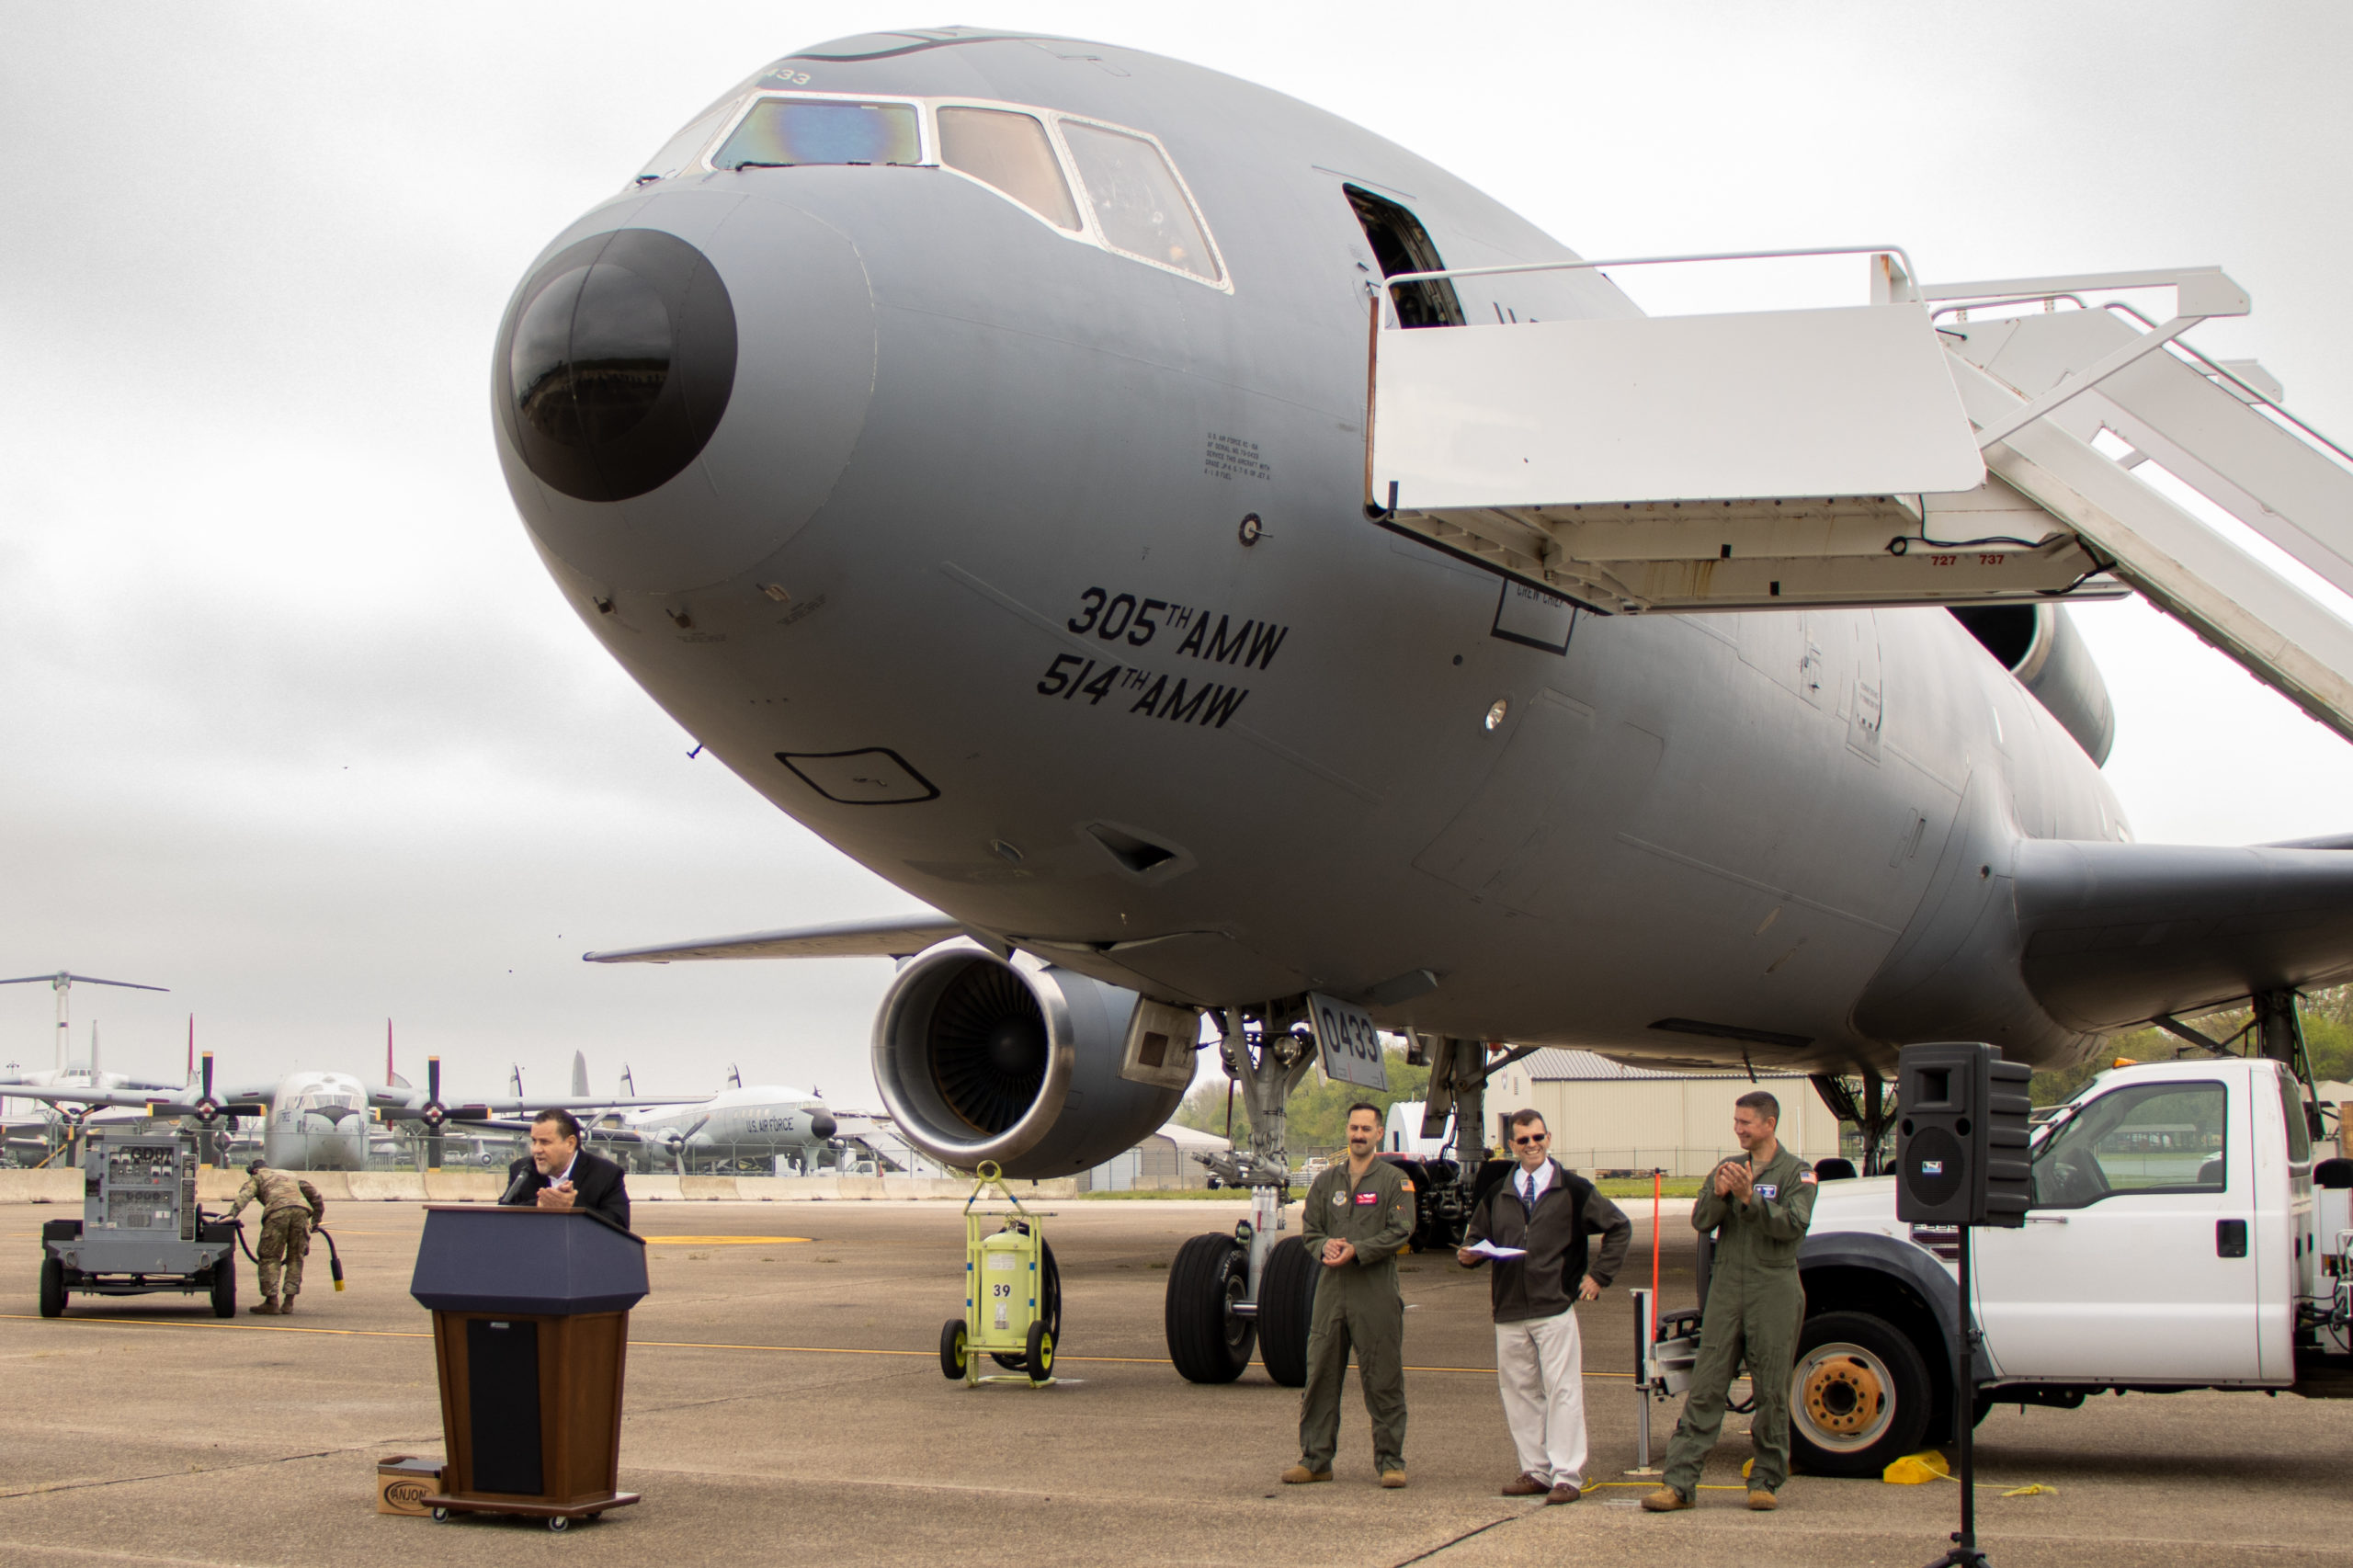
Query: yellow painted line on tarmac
{"type": "Point", "coordinates": [726, 1240]}
{"type": "Point", "coordinates": [216, 1323]}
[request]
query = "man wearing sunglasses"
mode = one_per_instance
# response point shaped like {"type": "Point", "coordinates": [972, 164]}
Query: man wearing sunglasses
{"type": "Point", "coordinates": [1550, 1217]}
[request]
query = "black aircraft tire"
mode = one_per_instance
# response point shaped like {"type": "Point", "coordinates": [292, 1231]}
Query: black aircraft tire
{"type": "Point", "coordinates": [52, 1288]}
{"type": "Point", "coordinates": [1050, 1307]}
{"type": "Point", "coordinates": [1208, 1343]}
{"type": "Point", "coordinates": [1286, 1308]}
{"type": "Point", "coordinates": [1860, 1395]}
{"type": "Point", "coordinates": [224, 1287]}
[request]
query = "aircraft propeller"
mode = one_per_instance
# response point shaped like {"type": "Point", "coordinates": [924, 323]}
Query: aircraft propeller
{"type": "Point", "coordinates": [208, 1111]}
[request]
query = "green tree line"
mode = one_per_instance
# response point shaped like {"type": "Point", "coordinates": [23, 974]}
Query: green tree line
{"type": "Point", "coordinates": [1319, 1109]}
{"type": "Point", "coordinates": [2329, 1038]}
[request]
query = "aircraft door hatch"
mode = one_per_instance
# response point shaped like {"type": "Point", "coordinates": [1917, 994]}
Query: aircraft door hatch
{"type": "Point", "coordinates": [1401, 245]}
{"type": "Point", "coordinates": [1893, 453]}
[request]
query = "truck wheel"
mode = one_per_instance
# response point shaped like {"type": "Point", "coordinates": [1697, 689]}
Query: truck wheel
{"type": "Point", "coordinates": [224, 1289]}
{"type": "Point", "coordinates": [1858, 1396]}
{"type": "Point", "coordinates": [1207, 1339]}
{"type": "Point", "coordinates": [1286, 1308]}
{"type": "Point", "coordinates": [52, 1288]}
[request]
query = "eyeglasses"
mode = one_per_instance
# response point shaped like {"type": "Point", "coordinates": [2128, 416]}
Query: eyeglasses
{"type": "Point", "coordinates": [1523, 1142]}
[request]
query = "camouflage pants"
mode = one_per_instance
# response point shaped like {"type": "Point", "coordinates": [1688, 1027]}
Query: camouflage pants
{"type": "Point", "coordinates": [285, 1242]}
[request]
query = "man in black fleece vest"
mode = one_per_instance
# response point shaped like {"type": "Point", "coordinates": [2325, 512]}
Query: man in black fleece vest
{"type": "Point", "coordinates": [1550, 1216]}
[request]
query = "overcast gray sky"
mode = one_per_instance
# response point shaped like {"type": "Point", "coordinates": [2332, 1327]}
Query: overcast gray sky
{"type": "Point", "coordinates": [297, 726]}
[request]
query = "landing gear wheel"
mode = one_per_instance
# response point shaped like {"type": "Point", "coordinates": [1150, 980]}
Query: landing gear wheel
{"type": "Point", "coordinates": [1286, 1308]}
{"type": "Point", "coordinates": [1040, 1356]}
{"type": "Point", "coordinates": [1858, 1396]}
{"type": "Point", "coordinates": [1207, 1339]}
{"type": "Point", "coordinates": [52, 1288]}
{"type": "Point", "coordinates": [224, 1289]}
{"type": "Point", "coordinates": [954, 1359]}
{"type": "Point", "coordinates": [1050, 1306]}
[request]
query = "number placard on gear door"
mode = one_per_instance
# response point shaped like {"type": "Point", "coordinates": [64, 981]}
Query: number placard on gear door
{"type": "Point", "coordinates": [1349, 1044]}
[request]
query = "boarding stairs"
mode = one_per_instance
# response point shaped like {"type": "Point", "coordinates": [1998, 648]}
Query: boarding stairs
{"type": "Point", "coordinates": [1954, 444]}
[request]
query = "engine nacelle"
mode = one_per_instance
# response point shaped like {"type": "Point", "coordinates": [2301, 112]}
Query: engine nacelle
{"type": "Point", "coordinates": [980, 1059]}
{"type": "Point", "coordinates": [2039, 643]}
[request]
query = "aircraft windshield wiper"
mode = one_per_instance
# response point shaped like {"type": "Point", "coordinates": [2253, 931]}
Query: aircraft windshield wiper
{"type": "Point", "coordinates": [757, 163]}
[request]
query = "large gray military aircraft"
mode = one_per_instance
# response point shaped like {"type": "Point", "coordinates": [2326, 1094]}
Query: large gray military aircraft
{"type": "Point", "coordinates": [984, 443]}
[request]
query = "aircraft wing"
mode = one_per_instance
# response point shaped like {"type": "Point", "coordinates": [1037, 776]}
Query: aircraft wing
{"type": "Point", "coordinates": [893, 937]}
{"type": "Point", "coordinates": [2116, 935]}
{"type": "Point", "coordinates": [117, 1097]}
{"type": "Point", "coordinates": [473, 1111]}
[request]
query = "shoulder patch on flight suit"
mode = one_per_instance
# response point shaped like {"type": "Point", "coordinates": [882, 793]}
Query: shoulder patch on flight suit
{"type": "Point", "coordinates": [1408, 1185]}
{"type": "Point", "coordinates": [1806, 1178]}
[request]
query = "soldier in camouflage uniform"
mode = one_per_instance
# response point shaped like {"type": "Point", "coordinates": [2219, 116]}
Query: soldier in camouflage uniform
{"type": "Point", "coordinates": [290, 1207]}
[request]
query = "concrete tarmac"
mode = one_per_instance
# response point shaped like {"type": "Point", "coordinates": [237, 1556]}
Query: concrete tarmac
{"type": "Point", "coordinates": [785, 1403]}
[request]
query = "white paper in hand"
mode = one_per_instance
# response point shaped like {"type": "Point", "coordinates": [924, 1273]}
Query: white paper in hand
{"type": "Point", "coordinates": [1484, 1248]}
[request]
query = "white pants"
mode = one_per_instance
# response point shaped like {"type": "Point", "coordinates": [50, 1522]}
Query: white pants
{"type": "Point", "coordinates": [1540, 1367]}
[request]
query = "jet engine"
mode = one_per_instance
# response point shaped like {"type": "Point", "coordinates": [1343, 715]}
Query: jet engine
{"type": "Point", "coordinates": [2039, 644]}
{"type": "Point", "coordinates": [978, 1059]}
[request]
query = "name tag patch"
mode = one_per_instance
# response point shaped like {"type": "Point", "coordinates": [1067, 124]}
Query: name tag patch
{"type": "Point", "coordinates": [1363, 1197]}
{"type": "Point", "coordinates": [1768, 1190]}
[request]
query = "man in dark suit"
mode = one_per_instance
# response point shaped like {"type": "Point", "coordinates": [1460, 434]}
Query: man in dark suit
{"type": "Point", "coordinates": [559, 1174]}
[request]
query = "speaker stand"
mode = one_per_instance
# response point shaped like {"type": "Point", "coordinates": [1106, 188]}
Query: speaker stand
{"type": "Point", "coordinates": [1964, 1552]}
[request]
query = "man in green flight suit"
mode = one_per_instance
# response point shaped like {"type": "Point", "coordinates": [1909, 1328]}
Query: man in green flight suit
{"type": "Point", "coordinates": [290, 1207]}
{"type": "Point", "coordinates": [1759, 1208]}
{"type": "Point", "coordinates": [1359, 1216]}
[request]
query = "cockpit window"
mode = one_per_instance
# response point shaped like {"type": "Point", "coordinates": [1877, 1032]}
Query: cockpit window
{"type": "Point", "coordinates": [1138, 204]}
{"type": "Point", "coordinates": [1010, 152]}
{"type": "Point", "coordinates": [781, 132]}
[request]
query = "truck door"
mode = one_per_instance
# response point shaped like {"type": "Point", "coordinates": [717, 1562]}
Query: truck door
{"type": "Point", "coordinates": [2133, 1264]}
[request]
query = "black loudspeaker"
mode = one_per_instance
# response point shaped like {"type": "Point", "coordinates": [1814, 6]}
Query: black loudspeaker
{"type": "Point", "coordinates": [1960, 1148]}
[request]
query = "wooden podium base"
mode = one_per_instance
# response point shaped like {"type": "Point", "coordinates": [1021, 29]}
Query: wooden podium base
{"type": "Point", "coordinates": [558, 1514]}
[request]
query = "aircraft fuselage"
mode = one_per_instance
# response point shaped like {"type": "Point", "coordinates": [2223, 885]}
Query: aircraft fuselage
{"type": "Point", "coordinates": [965, 580]}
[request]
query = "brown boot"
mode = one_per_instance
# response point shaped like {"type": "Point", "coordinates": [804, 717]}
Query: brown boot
{"type": "Point", "coordinates": [1762, 1501]}
{"type": "Point", "coordinates": [1564, 1491]}
{"type": "Point", "coordinates": [265, 1308]}
{"type": "Point", "coordinates": [1666, 1500]}
{"type": "Point", "coordinates": [286, 1308]}
{"type": "Point", "coordinates": [1300, 1475]}
{"type": "Point", "coordinates": [1526, 1485]}
{"type": "Point", "coordinates": [1393, 1479]}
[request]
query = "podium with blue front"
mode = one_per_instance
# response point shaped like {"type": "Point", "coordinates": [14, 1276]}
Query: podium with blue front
{"type": "Point", "coordinates": [530, 1334]}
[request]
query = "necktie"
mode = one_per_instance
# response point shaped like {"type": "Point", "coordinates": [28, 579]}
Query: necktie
{"type": "Point", "coordinates": [1527, 1188]}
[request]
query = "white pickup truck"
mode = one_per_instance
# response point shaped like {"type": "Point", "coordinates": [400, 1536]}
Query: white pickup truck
{"type": "Point", "coordinates": [2182, 1236]}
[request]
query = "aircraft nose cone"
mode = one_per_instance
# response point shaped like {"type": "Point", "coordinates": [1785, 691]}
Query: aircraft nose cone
{"type": "Point", "coordinates": [618, 363]}
{"type": "Point", "coordinates": [822, 1126]}
{"type": "Point", "coordinates": [678, 384]}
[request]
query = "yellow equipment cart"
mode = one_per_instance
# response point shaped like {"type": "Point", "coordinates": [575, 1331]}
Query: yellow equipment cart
{"type": "Point", "coordinates": [1013, 1292]}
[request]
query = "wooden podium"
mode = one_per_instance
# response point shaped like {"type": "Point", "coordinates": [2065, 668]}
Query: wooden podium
{"type": "Point", "coordinates": [531, 1335]}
